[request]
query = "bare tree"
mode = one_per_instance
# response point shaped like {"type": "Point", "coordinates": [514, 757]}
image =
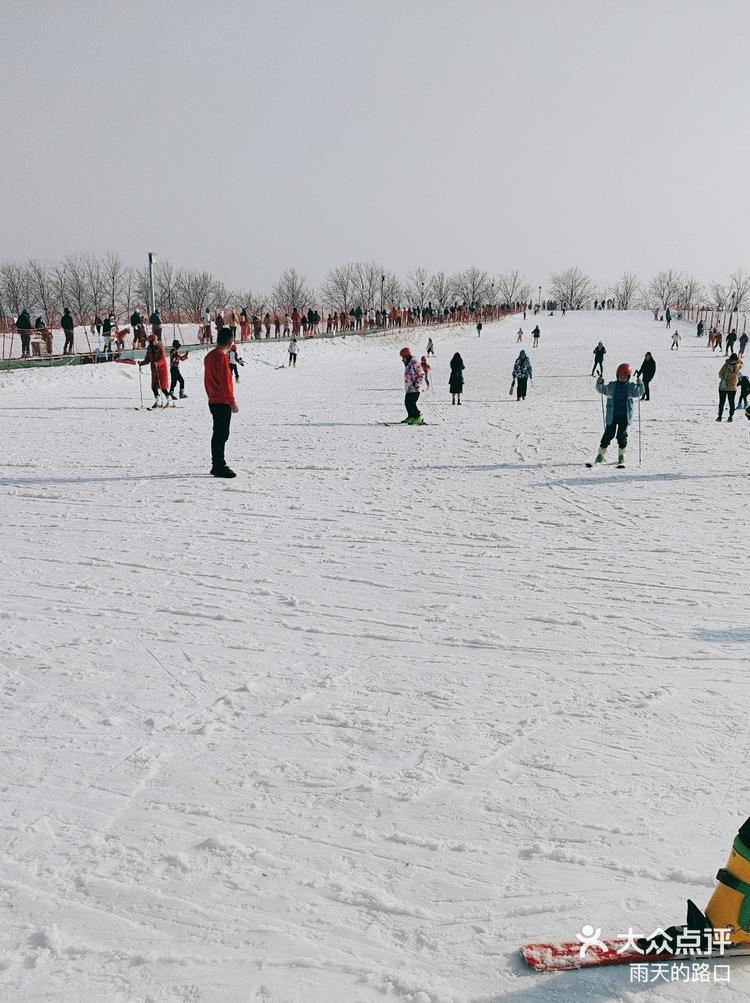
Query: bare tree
{"type": "Point", "coordinates": [114, 277]}
{"type": "Point", "coordinates": [96, 282]}
{"type": "Point", "coordinates": [44, 289]}
{"type": "Point", "coordinates": [338, 289]}
{"type": "Point", "coordinates": [471, 285]}
{"type": "Point", "coordinates": [17, 287]}
{"type": "Point", "coordinates": [78, 287]}
{"type": "Point", "coordinates": [718, 296]}
{"type": "Point", "coordinates": [368, 276]}
{"type": "Point", "coordinates": [166, 286]}
{"type": "Point", "coordinates": [739, 289]}
{"type": "Point", "coordinates": [391, 290]}
{"type": "Point", "coordinates": [512, 287]}
{"type": "Point", "coordinates": [692, 292]}
{"type": "Point", "coordinates": [665, 287]}
{"type": "Point", "coordinates": [127, 287]}
{"type": "Point", "coordinates": [572, 287]}
{"type": "Point", "coordinates": [626, 291]}
{"type": "Point", "coordinates": [196, 292]}
{"type": "Point", "coordinates": [441, 290]}
{"type": "Point", "coordinates": [58, 273]}
{"type": "Point", "coordinates": [291, 291]}
{"type": "Point", "coordinates": [417, 288]}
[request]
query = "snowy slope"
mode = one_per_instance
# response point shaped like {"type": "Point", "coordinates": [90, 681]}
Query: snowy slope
{"type": "Point", "coordinates": [357, 724]}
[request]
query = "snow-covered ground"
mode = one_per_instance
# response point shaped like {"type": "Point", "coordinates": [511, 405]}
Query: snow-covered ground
{"type": "Point", "coordinates": [357, 724]}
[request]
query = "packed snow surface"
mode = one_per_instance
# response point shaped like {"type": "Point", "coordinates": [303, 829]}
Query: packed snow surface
{"type": "Point", "coordinates": [357, 724]}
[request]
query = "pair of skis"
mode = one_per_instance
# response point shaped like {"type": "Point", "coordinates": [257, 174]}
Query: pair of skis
{"type": "Point", "coordinates": [563, 956]}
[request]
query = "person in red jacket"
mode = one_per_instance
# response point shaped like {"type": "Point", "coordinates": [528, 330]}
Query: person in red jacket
{"type": "Point", "coordinates": [217, 379]}
{"type": "Point", "coordinates": [156, 358]}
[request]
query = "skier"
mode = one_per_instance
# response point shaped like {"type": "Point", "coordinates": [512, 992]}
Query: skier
{"type": "Point", "coordinates": [731, 339]}
{"type": "Point", "coordinates": [456, 381]}
{"type": "Point", "coordinates": [430, 347]}
{"type": "Point", "coordinates": [717, 339]}
{"type": "Point", "coordinates": [668, 317]}
{"type": "Point", "coordinates": [136, 326]}
{"type": "Point", "coordinates": [479, 329]}
{"type": "Point", "coordinates": [599, 352]}
{"type": "Point", "coordinates": [293, 352]}
{"type": "Point", "coordinates": [217, 380]}
{"type": "Point", "coordinates": [156, 358]}
{"type": "Point", "coordinates": [728, 376]}
{"type": "Point", "coordinates": [743, 344]}
{"type": "Point", "coordinates": [207, 337]}
{"type": "Point", "coordinates": [426, 370]}
{"type": "Point", "coordinates": [413, 377]}
{"type": "Point", "coordinates": [522, 373]}
{"type": "Point", "coordinates": [620, 394]}
{"type": "Point", "coordinates": [107, 328]}
{"type": "Point", "coordinates": [235, 360]}
{"type": "Point", "coordinates": [519, 336]}
{"type": "Point", "coordinates": [174, 369]}
{"type": "Point", "coordinates": [23, 325]}
{"type": "Point", "coordinates": [700, 329]}
{"type": "Point", "coordinates": [536, 332]}
{"type": "Point", "coordinates": [744, 390]}
{"type": "Point", "coordinates": [68, 325]}
{"type": "Point", "coordinates": [675, 341]}
{"type": "Point", "coordinates": [647, 371]}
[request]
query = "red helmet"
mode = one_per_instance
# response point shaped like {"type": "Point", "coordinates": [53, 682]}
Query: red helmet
{"type": "Point", "coordinates": [405, 353]}
{"type": "Point", "coordinates": [150, 337]}
{"type": "Point", "coordinates": [624, 370]}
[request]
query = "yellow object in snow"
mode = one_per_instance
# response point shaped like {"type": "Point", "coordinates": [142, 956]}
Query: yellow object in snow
{"type": "Point", "coordinates": [730, 902]}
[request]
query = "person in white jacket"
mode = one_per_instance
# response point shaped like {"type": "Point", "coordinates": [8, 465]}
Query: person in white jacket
{"type": "Point", "coordinates": [293, 352]}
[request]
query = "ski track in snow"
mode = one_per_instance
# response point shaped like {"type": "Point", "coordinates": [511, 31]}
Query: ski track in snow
{"type": "Point", "coordinates": [393, 702]}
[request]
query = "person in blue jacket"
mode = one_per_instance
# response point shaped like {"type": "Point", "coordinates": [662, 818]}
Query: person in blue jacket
{"type": "Point", "coordinates": [620, 394]}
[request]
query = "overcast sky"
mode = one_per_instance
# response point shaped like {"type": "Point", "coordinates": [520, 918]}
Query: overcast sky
{"type": "Point", "coordinates": [243, 137]}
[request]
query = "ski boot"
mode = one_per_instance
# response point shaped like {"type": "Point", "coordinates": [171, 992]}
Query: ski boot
{"type": "Point", "coordinates": [417, 421]}
{"type": "Point", "coordinates": [621, 459]}
{"type": "Point", "coordinates": [183, 395]}
{"type": "Point", "coordinates": [407, 421]}
{"type": "Point", "coordinates": [729, 905]}
{"type": "Point", "coordinates": [601, 454]}
{"type": "Point", "coordinates": [155, 406]}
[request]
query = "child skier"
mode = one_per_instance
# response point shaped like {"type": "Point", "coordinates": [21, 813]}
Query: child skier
{"type": "Point", "coordinates": [413, 377]}
{"type": "Point", "coordinates": [426, 370]}
{"type": "Point", "coordinates": [520, 334]}
{"type": "Point", "coordinates": [293, 352]}
{"type": "Point", "coordinates": [175, 358]}
{"type": "Point", "coordinates": [430, 347]}
{"type": "Point", "coordinates": [744, 390]}
{"type": "Point", "coordinates": [536, 332]}
{"type": "Point", "coordinates": [235, 360]}
{"type": "Point", "coordinates": [620, 394]}
{"type": "Point", "coordinates": [156, 358]}
{"type": "Point", "coordinates": [522, 373]}
{"type": "Point", "coordinates": [675, 340]}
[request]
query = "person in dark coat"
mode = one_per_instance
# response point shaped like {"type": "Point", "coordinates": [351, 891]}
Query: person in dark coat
{"type": "Point", "coordinates": [68, 325]}
{"type": "Point", "coordinates": [599, 352]}
{"type": "Point", "coordinates": [456, 381]}
{"type": "Point", "coordinates": [647, 372]}
{"type": "Point", "coordinates": [23, 325]}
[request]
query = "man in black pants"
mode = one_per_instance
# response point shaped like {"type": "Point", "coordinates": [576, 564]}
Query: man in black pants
{"type": "Point", "coordinates": [219, 385]}
{"type": "Point", "coordinates": [599, 352]}
{"type": "Point", "coordinates": [647, 373]}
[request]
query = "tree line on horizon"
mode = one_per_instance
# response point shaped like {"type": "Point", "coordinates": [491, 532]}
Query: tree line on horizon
{"type": "Point", "coordinates": [95, 285]}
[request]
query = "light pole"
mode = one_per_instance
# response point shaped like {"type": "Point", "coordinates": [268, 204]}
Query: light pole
{"type": "Point", "coordinates": [151, 299]}
{"type": "Point", "coordinates": [539, 301]}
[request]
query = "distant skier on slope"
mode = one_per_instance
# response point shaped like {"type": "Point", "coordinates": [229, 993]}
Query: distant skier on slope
{"type": "Point", "coordinates": [293, 352]}
{"type": "Point", "coordinates": [430, 347]}
{"type": "Point", "coordinates": [413, 377]}
{"type": "Point", "coordinates": [479, 329]}
{"type": "Point", "coordinates": [519, 336]}
{"type": "Point", "coordinates": [156, 358]}
{"type": "Point", "coordinates": [522, 373]}
{"type": "Point", "coordinates": [599, 352]}
{"type": "Point", "coordinates": [426, 367]}
{"type": "Point", "coordinates": [620, 394]}
{"type": "Point", "coordinates": [675, 341]}
{"type": "Point", "coordinates": [647, 371]}
{"type": "Point", "coordinates": [456, 381]}
{"type": "Point", "coordinates": [731, 339]}
{"type": "Point", "coordinates": [536, 332]}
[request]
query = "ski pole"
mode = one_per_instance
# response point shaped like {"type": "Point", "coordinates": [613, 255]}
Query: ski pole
{"type": "Point", "coordinates": [639, 431]}
{"type": "Point", "coordinates": [604, 420]}
{"type": "Point", "coordinates": [140, 383]}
